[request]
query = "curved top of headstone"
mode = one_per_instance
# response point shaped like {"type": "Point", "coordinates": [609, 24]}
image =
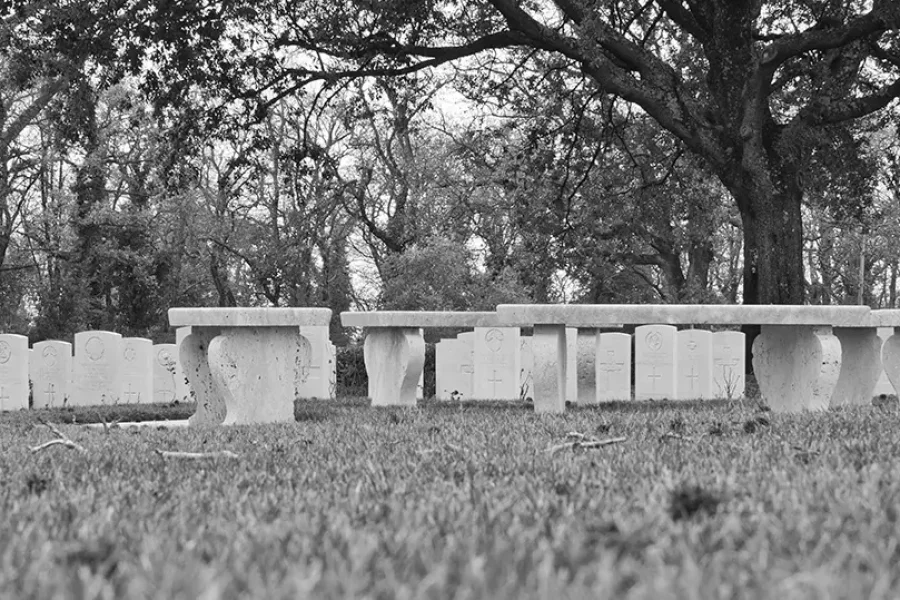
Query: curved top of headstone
{"type": "Point", "coordinates": [420, 318]}
{"type": "Point", "coordinates": [243, 316]}
{"type": "Point", "coordinates": [595, 315]}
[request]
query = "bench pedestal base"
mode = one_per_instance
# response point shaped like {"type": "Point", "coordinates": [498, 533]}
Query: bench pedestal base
{"type": "Point", "coordinates": [242, 375]}
{"type": "Point", "coordinates": [395, 357]}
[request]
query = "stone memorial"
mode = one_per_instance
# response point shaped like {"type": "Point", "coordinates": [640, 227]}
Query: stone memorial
{"type": "Point", "coordinates": [166, 372]}
{"type": "Point", "coordinates": [586, 365]}
{"type": "Point", "coordinates": [97, 369]}
{"type": "Point", "coordinates": [450, 356]}
{"type": "Point", "coordinates": [883, 386]}
{"type": "Point", "coordinates": [526, 358]}
{"type": "Point", "coordinates": [694, 365]}
{"type": "Point", "coordinates": [655, 362]}
{"type": "Point", "coordinates": [332, 374]}
{"type": "Point", "coordinates": [572, 365]}
{"type": "Point", "coordinates": [182, 389]}
{"type": "Point", "coordinates": [497, 363]}
{"type": "Point", "coordinates": [729, 364]}
{"type": "Point", "coordinates": [613, 366]}
{"type": "Point", "coordinates": [315, 374]}
{"type": "Point", "coordinates": [51, 373]}
{"type": "Point", "coordinates": [13, 372]}
{"type": "Point", "coordinates": [137, 371]}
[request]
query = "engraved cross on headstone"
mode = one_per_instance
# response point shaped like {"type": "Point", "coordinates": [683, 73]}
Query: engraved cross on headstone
{"type": "Point", "coordinates": [610, 365]}
{"type": "Point", "coordinates": [131, 393]}
{"type": "Point", "coordinates": [3, 396]}
{"type": "Point", "coordinates": [654, 377]}
{"type": "Point", "coordinates": [51, 393]}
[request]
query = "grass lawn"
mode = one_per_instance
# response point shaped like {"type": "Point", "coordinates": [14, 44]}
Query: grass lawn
{"type": "Point", "coordinates": [715, 500]}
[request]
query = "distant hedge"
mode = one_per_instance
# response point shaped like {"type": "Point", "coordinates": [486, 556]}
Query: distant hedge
{"type": "Point", "coordinates": [351, 371]}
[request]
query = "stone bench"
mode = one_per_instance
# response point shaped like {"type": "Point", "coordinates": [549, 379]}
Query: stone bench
{"type": "Point", "coordinates": [797, 358]}
{"type": "Point", "coordinates": [243, 364]}
{"type": "Point", "coordinates": [394, 349]}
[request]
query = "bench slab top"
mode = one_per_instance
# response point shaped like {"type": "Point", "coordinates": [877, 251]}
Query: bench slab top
{"type": "Point", "coordinates": [885, 317]}
{"type": "Point", "coordinates": [594, 315]}
{"type": "Point", "coordinates": [242, 316]}
{"type": "Point", "coordinates": [420, 318]}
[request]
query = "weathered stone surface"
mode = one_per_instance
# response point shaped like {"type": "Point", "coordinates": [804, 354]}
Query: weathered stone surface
{"type": "Point", "coordinates": [182, 388]}
{"type": "Point", "coordinates": [584, 367]}
{"type": "Point", "coordinates": [97, 369]}
{"type": "Point", "coordinates": [314, 378]}
{"type": "Point", "coordinates": [694, 367]}
{"type": "Point", "coordinates": [548, 344]}
{"type": "Point", "coordinates": [860, 366]}
{"type": "Point", "coordinates": [256, 370]}
{"type": "Point", "coordinates": [655, 357]}
{"type": "Point", "coordinates": [596, 315]}
{"type": "Point", "coordinates": [137, 371]}
{"type": "Point", "coordinates": [192, 352]}
{"type": "Point", "coordinates": [890, 359]}
{"type": "Point", "coordinates": [394, 359]}
{"type": "Point", "coordinates": [729, 364]}
{"type": "Point", "coordinates": [51, 373]}
{"type": "Point", "coordinates": [166, 370]}
{"type": "Point", "coordinates": [883, 386]}
{"type": "Point", "coordinates": [13, 372]}
{"type": "Point", "coordinates": [249, 317]}
{"type": "Point", "coordinates": [796, 367]}
{"type": "Point", "coordinates": [613, 366]}
{"type": "Point", "coordinates": [415, 318]}
{"type": "Point", "coordinates": [526, 359]}
{"type": "Point", "coordinates": [497, 363]}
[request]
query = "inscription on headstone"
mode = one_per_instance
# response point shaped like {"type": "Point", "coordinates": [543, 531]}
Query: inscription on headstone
{"type": "Point", "coordinates": [97, 368]}
{"type": "Point", "coordinates": [613, 367]}
{"type": "Point", "coordinates": [695, 364]}
{"type": "Point", "coordinates": [13, 372]}
{"type": "Point", "coordinates": [51, 373]}
{"type": "Point", "coordinates": [729, 364]}
{"type": "Point", "coordinates": [497, 363]}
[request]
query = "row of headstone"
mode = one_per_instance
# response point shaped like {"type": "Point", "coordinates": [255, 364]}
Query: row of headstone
{"type": "Point", "coordinates": [109, 369]}
{"type": "Point", "coordinates": [496, 363]}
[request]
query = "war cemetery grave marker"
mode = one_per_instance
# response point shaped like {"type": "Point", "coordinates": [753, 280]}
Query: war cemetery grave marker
{"type": "Point", "coordinates": [497, 363]}
{"type": "Point", "coordinates": [182, 389]}
{"type": "Point", "coordinates": [97, 368]}
{"type": "Point", "coordinates": [317, 365]}
{"type": "Point", "coordinates": [613, 366]}
{"type": "Point", "coordinates": [694, 364]}
{"type": "Point", "coordinates": [137, 371]}
{"type": "Point", "coordinates": [526, 357]}
{"type": "Point", "coordinates": [165, 372]}
{"type": "Point", "coordinates": [13, 372]}
{"type": "Point", "coordinates": [51, 373]}
{"type": "Point", "coordinates": [729, 364]}
{"type": "Point", "coordinates": [655, 362]}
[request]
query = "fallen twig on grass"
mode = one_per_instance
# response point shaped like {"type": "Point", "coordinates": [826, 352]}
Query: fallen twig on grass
{"type": "Point", "coordinates": [176, 454]}
{"type": "Point", "coordinates": [62, 439]}
{"type": "Point", "coordinates": [589, 443]}
{"type": "Point", "coordinates": [677, 436]}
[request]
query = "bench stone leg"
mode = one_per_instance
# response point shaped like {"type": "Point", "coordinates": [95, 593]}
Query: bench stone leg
{"type": "Point", "coordinates": [549, 375]}
{"type": "Point", "coordinates": [796, 367]}
{"type": "Point", "coordinates": [195, 365]}
{"type": "Point", "coordinates": [257, 371]}
{"type": "Point", "coordinates": [395, 358]}
{"type": "Point", "coordinates": [890, 358]}
{"type": "Point", "coordinates": [860, 366]}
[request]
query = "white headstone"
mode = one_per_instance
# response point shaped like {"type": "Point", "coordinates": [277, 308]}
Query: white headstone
{"type": "Point", "coordinates": [729, 364]}
{"type": "Point", "coordinates": [465, 379]}
{"type": "Point", "coordinates": [613, 366]}
{"type": "Point", "coordinates": [166, 371]}
{"type": "Point", "coordinates": [655, 361]}
{"type": "Point", "coordinates": [449, 356]}
{"type": "Point", "coordinates": [314, 380]}
{"type": "Point", "coordinates": [137, 371]}
{"type": "Point", "coordinates": [526, 380]}
{"type": "Point", "coordinates": [51, 373]}
{"type": "Point", "coordinates": [497, 363]}
{"type": "Point", "coordinates": [695, 364]}
{"type": "Point", "coordinates": [97, 368]}
{"type": "Point", "coordinates": [182, 390]}
{"type": "Point", "coordinates": [13, 372]}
